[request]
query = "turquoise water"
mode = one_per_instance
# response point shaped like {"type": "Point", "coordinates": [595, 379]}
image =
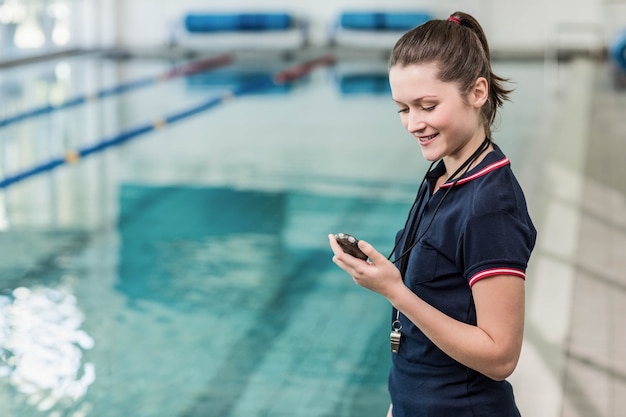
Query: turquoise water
{"type": "Point", "coordinates": [198, 305]}
{"type": "Point", "coordinates": [187, 273]}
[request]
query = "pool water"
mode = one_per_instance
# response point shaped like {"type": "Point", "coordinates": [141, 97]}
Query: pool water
{"type": "Point", "coordinates": [187, 272]}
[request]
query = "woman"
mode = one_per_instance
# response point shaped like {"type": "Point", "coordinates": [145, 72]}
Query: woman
{"type": "Point", "coordinates": [456, 283]}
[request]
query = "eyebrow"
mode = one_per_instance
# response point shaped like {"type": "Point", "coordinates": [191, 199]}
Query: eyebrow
{"type": "Point", "coordinates": [417, 100]}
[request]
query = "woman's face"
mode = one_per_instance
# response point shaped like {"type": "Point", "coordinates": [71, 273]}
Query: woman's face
{"type": "Point", "coordinates": [445, 124]}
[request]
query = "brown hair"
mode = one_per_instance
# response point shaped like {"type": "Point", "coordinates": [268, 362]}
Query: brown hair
{"type": "Point", "coordinates": [459, 48]}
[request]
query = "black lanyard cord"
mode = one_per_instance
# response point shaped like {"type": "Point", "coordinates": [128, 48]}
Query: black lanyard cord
{"type": "Point", "coordinates": [419, 198]}
{"type": "Point", "coordinates": [422, 191]}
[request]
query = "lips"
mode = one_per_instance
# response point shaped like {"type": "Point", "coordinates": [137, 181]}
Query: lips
{"type": "Point", "coordinates": [424, 140]}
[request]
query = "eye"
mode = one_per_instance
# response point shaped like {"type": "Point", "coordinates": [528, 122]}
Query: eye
{"type": "Point", "coordinates": [403, 110]}
{"type": "Point", "coordinates": [430, 108]}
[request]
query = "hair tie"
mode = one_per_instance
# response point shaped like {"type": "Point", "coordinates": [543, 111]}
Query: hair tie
{"type": "Point", "coordinates": [454, 20]}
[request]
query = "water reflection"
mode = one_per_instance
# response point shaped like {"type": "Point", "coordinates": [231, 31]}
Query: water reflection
{"type": "Point", "coordinates": [41, 346]}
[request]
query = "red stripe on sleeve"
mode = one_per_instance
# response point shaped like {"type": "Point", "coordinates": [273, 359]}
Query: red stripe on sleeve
{"type": "Point", "coordinates": [496, 271]}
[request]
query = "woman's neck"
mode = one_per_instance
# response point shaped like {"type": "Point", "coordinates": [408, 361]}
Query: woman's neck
{"type": "Point", "coordinates": [457, 167]}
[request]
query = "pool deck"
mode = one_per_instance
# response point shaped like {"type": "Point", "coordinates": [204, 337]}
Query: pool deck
{"type": "Point", "coordinates": [572, 364]}
{"type": "Point", "coordinates": [595, 366]}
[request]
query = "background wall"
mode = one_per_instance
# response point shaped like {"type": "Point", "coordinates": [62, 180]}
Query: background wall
{"type": "Point", "coordinates": [40, 27]}
{"type": "Point", "coordinates": [510, 24]}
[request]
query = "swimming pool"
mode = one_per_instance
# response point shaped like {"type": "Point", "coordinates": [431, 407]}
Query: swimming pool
{"type": "Point", "coordinates": [187, 272]}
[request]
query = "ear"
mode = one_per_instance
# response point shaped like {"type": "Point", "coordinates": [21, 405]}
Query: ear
{"type": "Point", "coordinates": [479, 93]}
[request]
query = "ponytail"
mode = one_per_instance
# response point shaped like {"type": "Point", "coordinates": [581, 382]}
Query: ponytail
{"type": "Point", "coordinates": [459, 47]}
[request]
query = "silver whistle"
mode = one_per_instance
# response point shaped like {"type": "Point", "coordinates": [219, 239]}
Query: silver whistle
{"type": "Point", "coordinates": [395, 337]}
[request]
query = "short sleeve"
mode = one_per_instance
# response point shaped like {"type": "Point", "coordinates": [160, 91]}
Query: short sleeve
{"type": "Point", "coordinates": [496, 243]}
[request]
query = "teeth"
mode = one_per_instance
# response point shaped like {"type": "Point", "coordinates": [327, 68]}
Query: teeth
{"type": "Point", "coordinates": [424, 139]}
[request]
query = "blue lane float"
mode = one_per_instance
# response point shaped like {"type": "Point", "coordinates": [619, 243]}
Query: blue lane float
{"type": "Point", "coordinates": [232, 78]}
{"type": "Point", "coordinates": [286, 76]}
{"type": "Point", "coordinates": [237, 22]}
{"type": "Point", "coordinates": [382, 21]}
{"type": "Point", "coordinates": [617, 50]}
{"type": "Point", "coordinates": [371, 84]}
{"type": "Point", "coordinates": [181, 71]}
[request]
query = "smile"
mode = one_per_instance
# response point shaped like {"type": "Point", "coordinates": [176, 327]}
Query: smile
{"type": "Point", "coordinates": [424, 139]}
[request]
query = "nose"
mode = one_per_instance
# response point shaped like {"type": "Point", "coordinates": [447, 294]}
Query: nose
{"type": "Point", "coordinates": [415, 122]}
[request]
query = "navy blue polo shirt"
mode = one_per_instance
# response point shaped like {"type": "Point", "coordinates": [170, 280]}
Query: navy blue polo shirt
{"type": "Point", "coordinates": [481, 229]}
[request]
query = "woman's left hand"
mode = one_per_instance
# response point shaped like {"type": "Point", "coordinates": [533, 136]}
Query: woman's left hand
{"type": "Point", "coordinates": [378, 274]}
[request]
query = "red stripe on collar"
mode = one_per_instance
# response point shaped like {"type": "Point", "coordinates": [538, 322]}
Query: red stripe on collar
{"type": "Point", "coordinates": [484, 171]}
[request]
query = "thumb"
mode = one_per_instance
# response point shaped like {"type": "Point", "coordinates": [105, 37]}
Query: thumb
{"type": "Point", "coordinates": [370, 251]}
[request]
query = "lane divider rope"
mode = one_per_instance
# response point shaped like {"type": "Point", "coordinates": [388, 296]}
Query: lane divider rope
{"type": "Point", "coordinates": [181, 71]}
{"type": "Point", "coordinates": [286, 76]}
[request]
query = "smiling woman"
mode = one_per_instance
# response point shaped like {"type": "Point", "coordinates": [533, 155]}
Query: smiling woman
{"type": "Point", "coordinates": [437, 114]}
{"type": "Point", "coordinates": [457, 281]}
{"type": "Point", "coordinates": [195, 255]}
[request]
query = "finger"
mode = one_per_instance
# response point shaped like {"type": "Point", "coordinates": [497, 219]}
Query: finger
{"type": "Point", "coordinates": [340, 257]}
{"type": "Point", "coordinates": [334, 245]}
{"type": "Point", "coordinates": [340, 253]}
{"type": "Point", "coordinates": [371, 252]}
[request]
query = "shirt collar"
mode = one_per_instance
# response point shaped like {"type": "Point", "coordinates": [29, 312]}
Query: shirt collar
{"type": "Point", "coordinates": [492, 161]}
